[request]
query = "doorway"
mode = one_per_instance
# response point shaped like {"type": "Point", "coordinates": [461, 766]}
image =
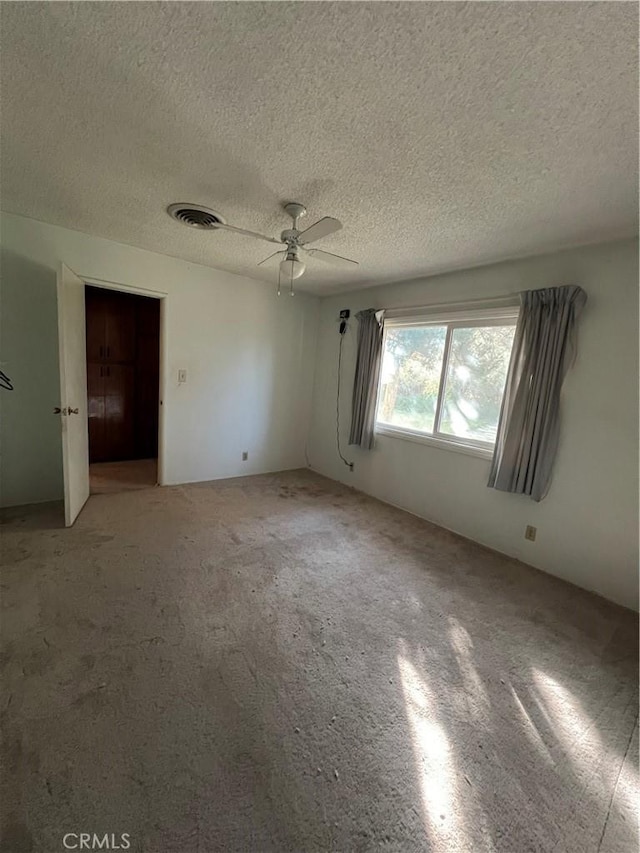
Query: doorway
{"type": "Point", "coordinates": [123, 381]}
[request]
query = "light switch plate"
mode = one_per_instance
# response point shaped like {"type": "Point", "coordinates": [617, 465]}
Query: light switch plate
{"type": "Point", "coordinates": [182, 376]}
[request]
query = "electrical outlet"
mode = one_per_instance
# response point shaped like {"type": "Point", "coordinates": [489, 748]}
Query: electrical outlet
{"type": "Point", "coordinates": [182, 376]}
{"type": "Point", "coordinates": [245, 455]}
{"type": "Point", "coordinates": [530, 533]}
{"type": "Point", "coordinates": [345, 314]}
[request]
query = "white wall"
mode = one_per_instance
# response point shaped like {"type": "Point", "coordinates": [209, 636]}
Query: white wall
{"type": "Point", "coordinates": [249, 357]}
{"type": "Point", "coordinates": [588, 524]}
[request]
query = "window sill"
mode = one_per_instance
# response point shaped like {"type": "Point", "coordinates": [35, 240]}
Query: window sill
{"type": "Point", "coordinates": [442, 443]}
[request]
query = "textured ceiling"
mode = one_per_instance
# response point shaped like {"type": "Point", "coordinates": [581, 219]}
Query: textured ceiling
{"type": "Point", "coordinates": [443, 135]}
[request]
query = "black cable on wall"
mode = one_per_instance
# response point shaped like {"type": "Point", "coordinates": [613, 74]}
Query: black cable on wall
{"type": "Point", "coordinates": [344, 315]}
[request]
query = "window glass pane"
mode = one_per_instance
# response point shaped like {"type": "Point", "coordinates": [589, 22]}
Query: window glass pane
{"type": "Point", "coordinates": [476, 374]}
{"type": "Point", "coordinates": [411, 369]}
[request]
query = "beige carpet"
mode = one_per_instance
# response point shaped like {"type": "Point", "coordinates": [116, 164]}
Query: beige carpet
{"type": "Point", "coordinates": [277, 663]}
{"type": "Point", "coordinates": [109, 477]}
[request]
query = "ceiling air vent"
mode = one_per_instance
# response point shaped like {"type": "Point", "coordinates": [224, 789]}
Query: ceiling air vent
{"type": "Point", "coordinates": [195, 216]}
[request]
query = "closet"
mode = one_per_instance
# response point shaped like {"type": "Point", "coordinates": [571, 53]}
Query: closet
{"type": "Point", "coordinates": [123, 339]}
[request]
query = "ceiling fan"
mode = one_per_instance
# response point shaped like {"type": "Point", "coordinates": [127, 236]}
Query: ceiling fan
{"type": "Point", "coordinates": [295, 242]}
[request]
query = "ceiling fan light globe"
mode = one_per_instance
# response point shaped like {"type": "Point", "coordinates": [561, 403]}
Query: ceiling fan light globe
{"type": "Point", "coordinates": [291, 268]}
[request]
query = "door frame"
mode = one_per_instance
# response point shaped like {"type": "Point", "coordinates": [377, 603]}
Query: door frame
{"type": "Point", "coordinates": [162, 296]}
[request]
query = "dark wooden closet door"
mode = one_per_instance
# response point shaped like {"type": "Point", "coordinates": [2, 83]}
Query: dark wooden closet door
{"type": "Point", "coordinates": [95, 319]}
{"type": "Point", "coordinates": [95, 306]}
{"type": "Point", "coordinates": [119, 401]}
{"type": "Point", "coordinates": [96, 324]}
{"type": "Point", "coordinates": [95, 394]}
{"type": "Point", "coordinates": [123, 357]}
{"type": "Point", "coordinates": [120, 332]}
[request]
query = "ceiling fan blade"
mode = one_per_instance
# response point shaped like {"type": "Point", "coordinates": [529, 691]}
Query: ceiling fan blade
{"type": "Point", "coordinates": [330, 258]}
{"type": "Point", "coordinates": [321, 228]}
{"type": "Point", "coordinates": [275, 254]}
{"type": "Point", "coordinates": [225, 227]}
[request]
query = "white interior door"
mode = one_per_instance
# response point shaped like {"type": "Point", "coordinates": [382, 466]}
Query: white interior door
{"type": "Point", "coordinates": [73, 392]}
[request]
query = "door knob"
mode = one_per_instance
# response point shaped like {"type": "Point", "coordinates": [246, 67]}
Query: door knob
{"type": "Point", "coordinates": [59, 411]}
{"type": "Point", "coordinates": [73, 411]}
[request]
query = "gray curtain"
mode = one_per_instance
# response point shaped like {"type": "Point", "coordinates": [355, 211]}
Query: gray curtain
{"type": "Point", "coordinates": [543, 350]}
{"type": "Point", "coordinates": [365, 383]}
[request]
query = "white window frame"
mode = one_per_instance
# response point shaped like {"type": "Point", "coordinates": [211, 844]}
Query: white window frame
{"type": "Point", "coordinates": [453, 319]}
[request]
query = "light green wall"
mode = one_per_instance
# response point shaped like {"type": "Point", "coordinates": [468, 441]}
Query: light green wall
{"type": "Point", "coordinates": [30, 448]}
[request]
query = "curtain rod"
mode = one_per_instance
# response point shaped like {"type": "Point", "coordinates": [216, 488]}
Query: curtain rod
{"type": "Point", "coordinates": [491, 302]}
